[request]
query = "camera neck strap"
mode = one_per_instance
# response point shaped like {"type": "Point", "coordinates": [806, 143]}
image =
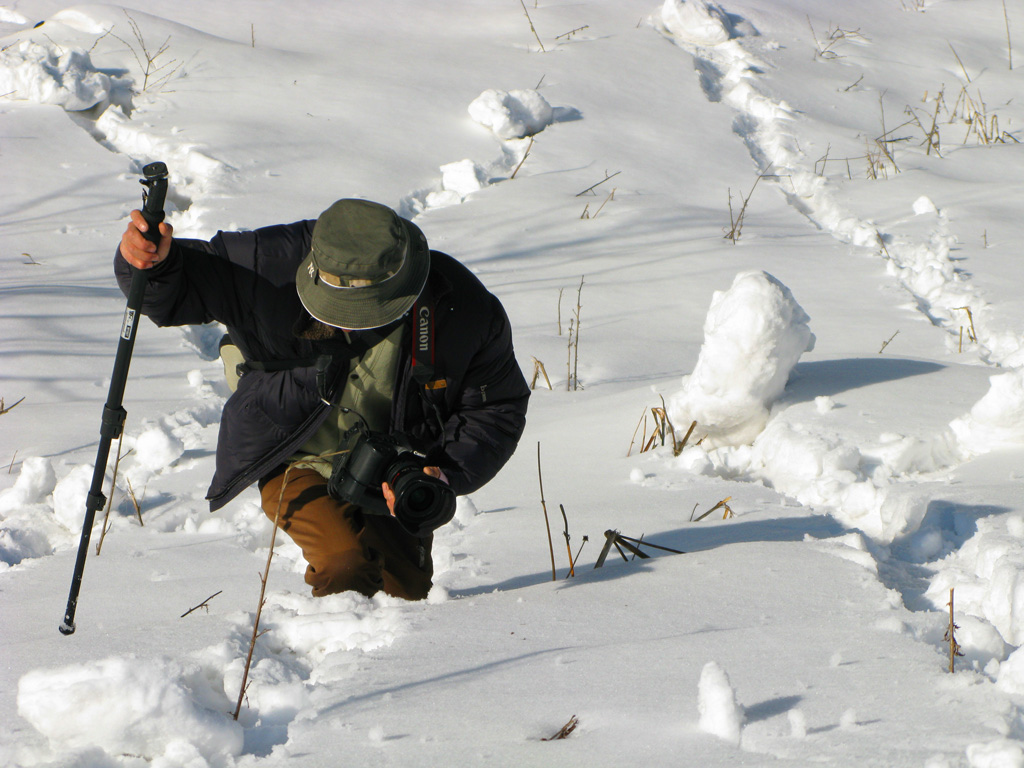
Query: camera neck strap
{"type": "Point", "coordinates": [424, 340]}
{"type": "Point", "coordinates": [424, 367]}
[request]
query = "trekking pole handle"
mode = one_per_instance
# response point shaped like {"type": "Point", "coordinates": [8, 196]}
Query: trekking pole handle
{"type": "Point", "coordinates": [155, 182]}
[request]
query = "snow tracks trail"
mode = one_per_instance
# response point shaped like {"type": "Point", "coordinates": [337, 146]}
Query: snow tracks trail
{"type": "Point", "coordinates": [886, 489]}
{"type": "Point", "coordinates": [770, 128]}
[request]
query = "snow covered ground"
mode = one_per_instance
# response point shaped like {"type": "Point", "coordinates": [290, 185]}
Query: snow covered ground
{"type": "Point", "coordinates": [853, 357]}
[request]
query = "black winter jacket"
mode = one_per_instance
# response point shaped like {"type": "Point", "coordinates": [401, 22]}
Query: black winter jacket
{"type": "Point", "coordinates": [468, 425]}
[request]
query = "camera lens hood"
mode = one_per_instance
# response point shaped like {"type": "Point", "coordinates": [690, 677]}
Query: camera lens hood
{"type": "Point", "coordinates": [422, 503]}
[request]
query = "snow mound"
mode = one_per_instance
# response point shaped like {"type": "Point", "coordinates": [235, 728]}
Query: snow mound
{"type": "Point", "coordinates": [797, 724]}
{"type": "Point", "coordinates": [512, 114]}
{"type": "Point", "coordinates": [720, 713]}
{"type": "Point", "coordinates": [465, 510]}
{"type": "Point", "coordinates": [1001, 753]}
{"type": "Point", "coordinates": [9, 16]}
{"type": "Point", "coordinates": [35, 482]}
{"type": "Point", "coordinates": [38, 73]}
{"type": "Point", "coordinates": [754, 335]}
{"type": "Point", "coordinates": [856, 484]}
{"type": "Point", "coordinates": [70, 496]}
{"type": "Point", "coordinates": [996, 421]}
{"type": "Point", "coordinates": [458, 180]}
{"type": "Point", "coordinates": [990, 580]}
{"type": "Point", "coordinates": [696, 22]}
{"type": "Point", "coordinates": [144, 707]}
{"type": "Point", "coordinates": [1011, 674]}
{"type": "Point", "coordinates": [924, 205]}
{"type": "Point", "coordinates": [157, 448]}
{"type": "Point", "coordinates": [27, 526]}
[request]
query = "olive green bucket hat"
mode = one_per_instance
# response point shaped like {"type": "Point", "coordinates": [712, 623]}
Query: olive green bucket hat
{"type": "Point", "coordinates": [366, 267]}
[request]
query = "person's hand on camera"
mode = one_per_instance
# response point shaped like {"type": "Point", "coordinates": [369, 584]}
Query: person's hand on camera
{"type": "Point", "coordinates": [389, 495]}
{"type": "Point", "coordinates": [140, 252]}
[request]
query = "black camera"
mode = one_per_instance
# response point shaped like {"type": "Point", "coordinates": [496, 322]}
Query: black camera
{"type": "Point", "coordinates": [422, 502]}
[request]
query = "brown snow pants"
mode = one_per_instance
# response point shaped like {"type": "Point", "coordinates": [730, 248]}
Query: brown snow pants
{"type": "Point", "coordinates": [345, 548]}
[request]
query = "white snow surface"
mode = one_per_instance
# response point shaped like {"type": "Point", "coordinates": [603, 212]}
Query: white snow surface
{"type": "Point", "coordinates": [854, 363]}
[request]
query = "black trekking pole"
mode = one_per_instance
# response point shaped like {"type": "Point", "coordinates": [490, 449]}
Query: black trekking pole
{"type": "Point", "coordinates": [112, 424]}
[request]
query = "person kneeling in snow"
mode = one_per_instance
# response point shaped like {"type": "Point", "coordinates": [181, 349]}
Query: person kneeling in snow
{"type": "Point", "coordinates": [348, 330]}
